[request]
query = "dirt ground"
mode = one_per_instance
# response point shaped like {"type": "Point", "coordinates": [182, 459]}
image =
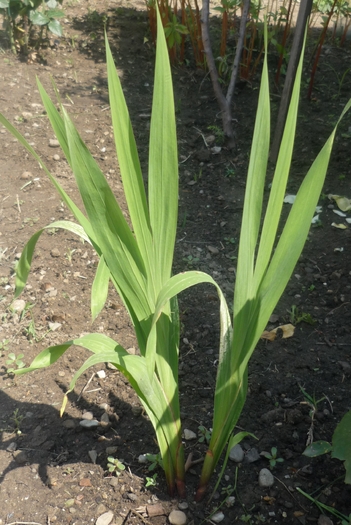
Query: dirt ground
{"type": "Point", "coordinates": [52, 470]}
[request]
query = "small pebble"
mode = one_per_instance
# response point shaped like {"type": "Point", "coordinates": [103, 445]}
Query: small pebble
{"type": "Point", "coordinates": [189, 434]}
{"type": "Point", "coordinates": [177, 517]}
{"type": "Point", "coordinates": [183, 505]}
{"type": "Point", "coordinates": [230, 501]}
{"type": "Point", "coordinates": [26, 175]}
{"type": "Point", "coordinates": [93, 455]}
{"type": "Point", "coordinates": [55, 252]}
{"type": "Point", "coordinates": [236, 453]}
{"type": "Point", "coordinates": [252, 455]}
{"type": "Point", "coordinates": [265, 478]}
{"type": "Point", "coordinates": [12, 447]}
{"type": "Point", "coordinates": [111, 450]}
{"type": "Point", "coordinates": [101, 374]}
{"type": "Point", "coordinates": [56, 157]}
{"type": "Point", "coordinates": [217, 517]}
{"type": "Point", "coordinates": [104, 420]}
{"type": "Point", "coordinates": [54, 143]}
{"type": "Point", "coordinates": [89, 424]}
{"type": "Point", "coordinates": [18, 305]}
{"type": "Point", "coordinates": [88, 415]}
{"type": "Point", "coordinates": [105, 519]}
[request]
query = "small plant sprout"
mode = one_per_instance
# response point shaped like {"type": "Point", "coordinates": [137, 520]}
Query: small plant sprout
{"type": "Point", "coordinates": [298, 316]}
{"type": "Point", "coordinates": [204, 434]}
{"type": "Point", "coordinates": [15, 362]}
{"type": "Point", "coordinates": [313, 403]}
{"type": "Point", "coordinates": [69, 254]}
{"type": "Point", "coordinates": [3, 345]}
{"type": "Point", "coordinates": [151, 482]}
{"type": "Point", "coordinates": [272, 456]}
{"type": "Point", "coordinates": [115, 466]}
{"type": "Point", "coordinates": [17, 419]}
{"type": "Point", "coordinates": [155, 461]}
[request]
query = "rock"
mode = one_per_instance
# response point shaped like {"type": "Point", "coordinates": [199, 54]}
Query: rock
{"type": "Point", "coordinates": [189, 434]}
{"type": "Point", "coordinates": [55, 252]}
{"type": "Point", "coordinates": [12, 447]}
{"type": "Point", "coordinates": [27, 115]}
{"type": "Point", "coordinates": [54, 143]}
{"type": "Point", "coordinates": [346, 367]}
{"type": "Point", "coordinates": [183, 505]}
{"type": "Point", "coordinates": [213, 250]}
{"type": "Point", "coordinates": [177, 517]}
{"type": "Point", "coordinates": [210, 139]}
{"type": "Point", "coordinates": [18, 305]}
{"type": "Point", "coordinates": [230, 501]}
{"type": "Point", "coordinates": [54, 326]}
{"type": "Point", "coordinates": [155, 510]}
{"type": "Point", "coordinates": [113, 482]}
{"type": "Point", "coordinates": [324, 520]}
{"type": "Point", "coordinates": [265, 478]}
{"type": "Point", "coordinates": [105, 519]}
{"type": "Point", "coordinates": [236, 453]}
{"type": "Point", "coordinates": [56, 157]}
{"type": "Point", "coordinates": [104, 420]}
{"type": "Point", "coordinates": [89, 424]}
{"type": "Point", "coordinates": [26, 175]}
{"type": "Point", "coordinates": [88, 415]}
{"type": "Point", "coordinates": [131, 496]}
{"type": "Point", "coordinates": [252, 455]}
{"type": "Point", "coordinates": [93, 455]}
{"type": "Point", "coordinates": [85, 482]}
{"type": "Point", "coordinates": [142, 458]}
{"type": "Point", "coordinates": [216, 150]}
{"type": "Point", "coordinates": [217, 517]}
{"type": "Point", "coordinates": [110, 451]}
{"type": "Point", "coordinates": [101, 374]}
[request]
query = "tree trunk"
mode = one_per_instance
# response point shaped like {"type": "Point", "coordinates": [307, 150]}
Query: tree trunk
{"type": "Point", "coordinates": [304, 13]}
{"type": "Point", "coordinates": [224, 102]}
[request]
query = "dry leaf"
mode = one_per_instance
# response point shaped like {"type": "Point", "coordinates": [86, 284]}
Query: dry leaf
{"type": "Point", "coordinates": [340, 213]}
{"type": "Point", "coordinates": [287, 329]}
{"type": "Point", "coordinates": [343, 203]}
{"type": "Point", "coordinates": [340, 226]}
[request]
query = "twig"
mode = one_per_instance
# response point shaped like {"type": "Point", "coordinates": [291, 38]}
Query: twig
{"type": "Point", "coordinates": [286, 488]}
{"type": "Point", "coordinates": [203, 137]}
{"type": "Point", "coordinates": [188, 157]}
{"type": "Point", "coordinates": [86, 386]}
{"type": "Point", "coordinates": [18, 204]}
{"type": "Point", "coordinates": [24, 523]}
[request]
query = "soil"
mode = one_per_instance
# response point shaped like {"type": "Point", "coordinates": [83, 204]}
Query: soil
{"type": "Point", "coordinates": [51, 469]}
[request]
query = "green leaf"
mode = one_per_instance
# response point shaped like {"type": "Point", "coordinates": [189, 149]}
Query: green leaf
{"type": "Point", "coordinates": [317, 449]}
{"type": "Point", "coordinates": [25, 261]}
{"type": "Point", "coordinates": [55, 13]}
{"type": "Point", "coordinates": [163, 163]}
{"type": "Point", "coordinates": [342, 444]}
{"type": "Point", "coordinates": [4, 4]}
{"type": "Point", "coordinates": [132, 179]}
{"type": "Point", "coordinates": [55, 27]}
{"type": "Point", "coordinates": [38, 18]}
{"type": "Point", "coordinates": [99, 289]}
